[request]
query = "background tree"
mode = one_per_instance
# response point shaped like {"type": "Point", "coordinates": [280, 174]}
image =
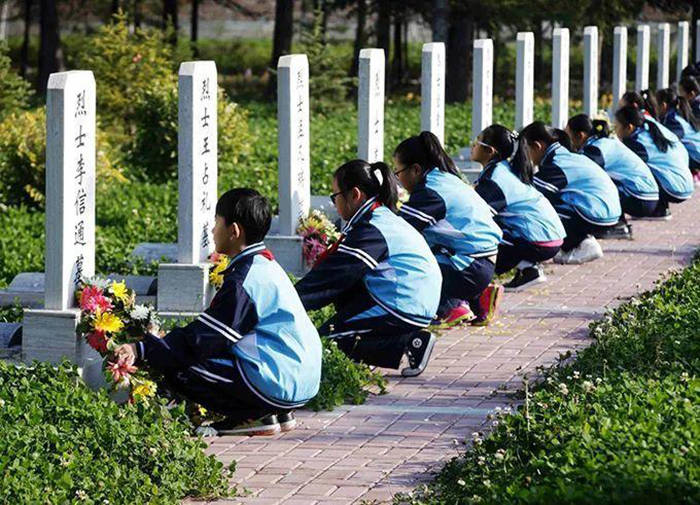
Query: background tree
{"type": "Point", "coordinates": [50, 54]}
{"type": "Point", "coordinates": [281, 39]}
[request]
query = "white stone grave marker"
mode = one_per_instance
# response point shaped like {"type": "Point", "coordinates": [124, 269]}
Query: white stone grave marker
{"type": "Point", "coordinates": [560, 78]}
{"type": "Point", "coordinates": [590, 70]}
{"type": "Point", "coordinates": [370, 106]}
{"type": "Point", "coordinates": [642, 70]}
{"type": "Point", "coordinates": [524, 79]}
{"type": "Point", "coordinates": [619, 84]}
{"type": "Point", "coordinates": [683, 46]}
{"type": "Point", "coordinates": [663, 56]}
{"type": "Point", "coordinates": [432, 116]}
{"type": "Point", "coordinates": [483, 85]}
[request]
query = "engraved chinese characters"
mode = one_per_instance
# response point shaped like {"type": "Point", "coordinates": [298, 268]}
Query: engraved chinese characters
{"type": "Point", "coordinates": [70, 185]}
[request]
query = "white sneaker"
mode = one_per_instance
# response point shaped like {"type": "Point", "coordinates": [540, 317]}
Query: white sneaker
{"type": "Point", "coordinates": [588, 250]}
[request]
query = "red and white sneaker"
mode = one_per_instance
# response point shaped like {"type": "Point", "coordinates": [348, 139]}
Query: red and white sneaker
{"type": "Point", "coordinates": [489, 300]}
{"type": "Point", "coordinates": [457, 315]}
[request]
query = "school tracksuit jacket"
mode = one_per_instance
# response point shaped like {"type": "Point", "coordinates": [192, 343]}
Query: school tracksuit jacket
{"type": "Point", "coordinates": [671, 168]}
{"type": "Point", "coordinates": [627, 170]}
{"type": "Point", "coordinates": [255, 323]}
{"type": "Point", "coordinates": [455, 221]}
{"type": "Point", "coordinates": [689, 136]}
{"type": "Point", "coordinates": [520, 210]}
{"type": "Point", "coordinates": [577, 186]}
{"type": "Point", "coordinates": [390, 260]}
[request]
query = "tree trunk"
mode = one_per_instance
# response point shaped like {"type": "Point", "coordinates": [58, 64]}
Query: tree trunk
{"type": "Point", "coordinates": [383, 31]}
{"type": "Point", "coordinates": [24, 54]}
{"type": "Point", "coordinates": [694, 30]}
{"type": "Point", "coordinates": [459, 57]}
{"type": "Point", "coordinates": [360, 36]}
{"type": "Point", "coordinates": [441, 23]}
{"type": "Point", "coordinates": [115, 8]}
{"type": "Point", "coordinates": [4, 14]}
{"type": "Point", "coordinates": [50, 54]}
{"type": "Point", "coordinates": [137, 14]}
{"type": "Point", "coordinates": [170, 18]}
{"type": "Point", "coordinates": [397, 56]}
{"type": "Point", "coordinates": [194, 27]}
{"type": "Point", "coordinates": [541, 71]}
{"type": "Point", "coordinates": [282, 39]}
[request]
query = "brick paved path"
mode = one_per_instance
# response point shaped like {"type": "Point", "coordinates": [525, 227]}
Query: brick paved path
{"type": "Point", "coordinates": [363, 453]}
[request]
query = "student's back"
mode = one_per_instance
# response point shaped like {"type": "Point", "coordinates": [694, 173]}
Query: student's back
{"type": "Point", "coordinates": [458, 219]}
{"type": "Point", "coordinates": [576, 182]}
{"type": "Point", "coordinates": [278, 347]}
{"type": "Point", "coordinates": [521, 210]}
{"type": "Point", "coordinates": [406, 264]}
{"type": "Point", "coordinates": [632, 176]}
{"type": "Point", "coordinates": [670, 167]}
{"type": "Point", "coordinates": [689, 136]}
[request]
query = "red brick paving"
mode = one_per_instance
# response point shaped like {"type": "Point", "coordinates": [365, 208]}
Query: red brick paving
{"type": "Point", "coordinates": [357, 454]}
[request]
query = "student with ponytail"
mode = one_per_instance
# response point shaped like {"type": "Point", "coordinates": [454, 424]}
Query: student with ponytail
{"type": "Point", "coordinates": [689, 88]}
{"type": "Point", "coordinates": [457, 225]}
{"type": "Point", "coordinates": [639, 193]}
{"type": "Point", "coordinates": [676, 114]}
{"type": "Point", "coordinates": [381, 275]}
{"type": "Point", "coordinates": [532, 230]}
{"type": "Point", "coordinates": [645, 102]}
{"type": "Point", "coordinates": [666, 157]}
{"type": "Point", "coordinates": [583, 195]}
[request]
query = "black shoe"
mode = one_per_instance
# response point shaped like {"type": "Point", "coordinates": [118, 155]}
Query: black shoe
{"type": "Point", "coordinates": [660, 214]}
{"type": "Point", "coordinates": [266, 425]}
{"type": "Point", "coordinates": [620, 231]}
{"type": "Point", "coordinates": [287, 421]}
{"type": "Point", "coordinates": [418, 351]}
{"type": "Point", "coordinates": [525, 278]}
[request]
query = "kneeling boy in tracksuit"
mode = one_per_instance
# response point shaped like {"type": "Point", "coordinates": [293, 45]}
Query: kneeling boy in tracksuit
{"type": "Point", "coordinates": [254, 355]}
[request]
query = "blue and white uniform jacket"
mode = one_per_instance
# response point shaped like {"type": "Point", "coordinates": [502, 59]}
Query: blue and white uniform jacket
{"type": "Point", "coordinates": [689, 136]}
{"type": "Point", "coordinates": [574, 183]}
{"type": "Point", "coordinates": [455, 221]}
{"type": "Point", "coordinates": [257, 323]}
{"type": "Point", "coordinates": [388, 257]}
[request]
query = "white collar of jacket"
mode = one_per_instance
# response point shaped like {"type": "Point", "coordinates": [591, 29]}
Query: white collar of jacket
{"type": "Point", "coordinates": [358, 215]}
{"type": "Point", "coordinates": [247, 251]}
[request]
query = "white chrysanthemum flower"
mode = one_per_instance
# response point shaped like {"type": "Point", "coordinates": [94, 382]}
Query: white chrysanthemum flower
{"type": "Point", "coordinates": [99, 282]}
{"type": "Point", "coordinates": [140, 312]}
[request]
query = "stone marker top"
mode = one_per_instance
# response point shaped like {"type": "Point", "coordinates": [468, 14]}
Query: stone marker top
{"type": "Point", "coordinates": [192, 67]}
{"type": "Point", "coordinates": [289, 60]}
{"type": "Point", "coordinates": [60, 80]}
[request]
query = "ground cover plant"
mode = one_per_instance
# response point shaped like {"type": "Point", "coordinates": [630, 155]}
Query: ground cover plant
{"type": "Point", "coordinates": [619, 424]}
{"type": "Point", "coordinates": [64, 443]}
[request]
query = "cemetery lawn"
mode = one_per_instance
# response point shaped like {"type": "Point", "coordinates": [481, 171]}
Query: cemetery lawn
{"type": "Point", "coordinates": [619, 424]}
{"type": "Point", "coordinates": [142, 209]}
{"type": "Point", "coordinates": [63, 443]}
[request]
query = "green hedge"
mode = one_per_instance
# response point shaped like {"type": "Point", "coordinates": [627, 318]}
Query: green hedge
{"type": "Point", "coordinates": [63, 443]}
{"type": "Point", "coordinates": [620, 424]}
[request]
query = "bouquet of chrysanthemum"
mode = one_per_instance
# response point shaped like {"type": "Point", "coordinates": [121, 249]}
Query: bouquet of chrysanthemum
{"type": "Point", "coordinates": [110, 317]}
{"type": "Point", "coordinates": [219, 263]}
{"type": "Point", "coordinates": [319, 233]}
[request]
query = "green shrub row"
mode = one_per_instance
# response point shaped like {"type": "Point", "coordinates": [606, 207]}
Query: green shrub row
{"type": "Point", "coordinates": [63, 443]}
{"type": "Point", "coordinates": [619, 424]}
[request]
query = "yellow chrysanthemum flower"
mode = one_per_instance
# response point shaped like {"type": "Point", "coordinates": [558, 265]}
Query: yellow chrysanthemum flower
{"type": "Point", "coordinates": [108, 322]}
{"type": "Point", "coordinates": [215, 277]}
{"type": "Point", "coordinates": [120, 291]}
{"type": "Point", "coordinates": [143, 389]}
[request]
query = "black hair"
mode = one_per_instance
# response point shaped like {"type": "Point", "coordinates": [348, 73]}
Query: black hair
{"type": "Point", "coordinates": [690, 84]}
{"type": "Point", "coordinates": [540, 132]}
{"type": "Point", "coordinates": [426, 151]}
{"type": "Point", "coordinates": [374, 179]}
{"type": "Point", "coordinates": [644, 100]}
{"type": "Point", "coordinates": [249, 209]}
{"type": "Point", "coordinates": [581, 123]}
{"type": "Point", "coordinates": [680, 103]}
{"type": "Point", "coordinates": [509, 147]}
{"type": "Point", "coordinates": [691, 70]}
{"type": "Point", "coordinates": [630, 115]}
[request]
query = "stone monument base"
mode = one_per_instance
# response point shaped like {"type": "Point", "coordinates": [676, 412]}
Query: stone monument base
{"type": "Point", "coordinates": [50, 335]}
{"type": "Point", "coordinates": [183, 288]}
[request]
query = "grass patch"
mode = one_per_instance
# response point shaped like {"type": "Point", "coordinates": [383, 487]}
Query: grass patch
{"type": "Point", "coordinates": [620, 424]}
{"type": "Point", "coordinates": [63, 443]}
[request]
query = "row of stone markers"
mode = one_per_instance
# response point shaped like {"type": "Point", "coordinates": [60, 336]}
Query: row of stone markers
{"type": "Point", "coordinates": [49, 333]}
